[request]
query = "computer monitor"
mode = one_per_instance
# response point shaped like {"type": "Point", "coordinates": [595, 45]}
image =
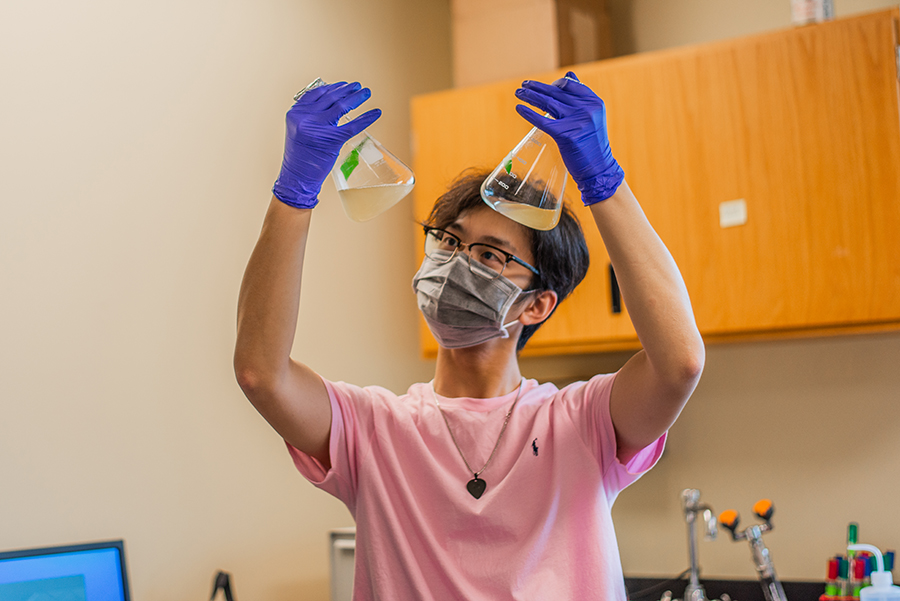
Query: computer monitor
{"type": "Point", "coordinates": [87, 572]}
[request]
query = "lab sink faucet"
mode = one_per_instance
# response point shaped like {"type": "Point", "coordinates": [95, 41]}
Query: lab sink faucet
{"type": "Point", "coordinates": [763, 509]}
{"type": "Point", "coordinates": [692, 510]}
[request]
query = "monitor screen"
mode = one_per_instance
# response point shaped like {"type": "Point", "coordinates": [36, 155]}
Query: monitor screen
{"type": "Point", "coordinates": [89, 572]}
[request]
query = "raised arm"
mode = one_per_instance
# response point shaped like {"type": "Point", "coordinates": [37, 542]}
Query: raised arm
{"type": "Point", "coordinates": [654, 385]}
{"type": "Point", "coordinates": [288, 394]}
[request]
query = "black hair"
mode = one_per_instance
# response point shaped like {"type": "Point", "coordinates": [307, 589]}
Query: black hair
{"type": "Point", "coordinates": [560, 254]}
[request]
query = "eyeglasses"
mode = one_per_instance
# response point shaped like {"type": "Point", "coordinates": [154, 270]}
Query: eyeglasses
{"type": "Point", "coordinates": [441, 246]}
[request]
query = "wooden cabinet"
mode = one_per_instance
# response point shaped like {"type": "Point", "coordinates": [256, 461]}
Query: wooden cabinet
{"type": "Point", "coordinates": [802, 125]}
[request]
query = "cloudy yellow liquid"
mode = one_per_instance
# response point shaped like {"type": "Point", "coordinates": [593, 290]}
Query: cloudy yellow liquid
{"type": "Point", "coordinates": [531, 216]}
{"type": "Point", "coordinates": [362, 204]}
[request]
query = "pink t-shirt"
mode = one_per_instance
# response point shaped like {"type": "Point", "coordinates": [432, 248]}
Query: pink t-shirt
{"type": "Point", "coordinates": [541, 530]}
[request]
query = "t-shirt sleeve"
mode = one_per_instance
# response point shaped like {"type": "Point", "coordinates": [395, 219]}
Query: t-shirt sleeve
{"type": "Point", "coordinates": [588, 407]}
{"type": "Point", "coordinates": [344, 445]}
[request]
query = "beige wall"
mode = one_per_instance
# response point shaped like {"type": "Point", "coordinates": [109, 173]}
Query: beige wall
{"type": "Point", "coordinates": [812, 425]}
{"type": "Point", "coordinates": [139, 145]}
{"type": "Point", "coordinates": [644, 25]}
{"type": "Point", "coordinates": [499, 39]}
{"type": "Point", "coordinates": [140, 141]}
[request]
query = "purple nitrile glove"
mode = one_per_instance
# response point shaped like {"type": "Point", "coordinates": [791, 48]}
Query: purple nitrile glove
{"type": "Point", "coordinates": [579, 128]}
{"type": "Point", "coordinates": [313, 139]}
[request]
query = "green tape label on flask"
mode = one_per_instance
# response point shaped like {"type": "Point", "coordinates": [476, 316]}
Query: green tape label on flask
{"type": "Point", "coordinates": [350, 163]}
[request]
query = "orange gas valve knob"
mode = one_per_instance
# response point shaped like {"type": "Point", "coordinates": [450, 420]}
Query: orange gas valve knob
{"type": "Point", "coordinates": [730, 519]}
{"type": "Point", "coordinates": [764, 508]}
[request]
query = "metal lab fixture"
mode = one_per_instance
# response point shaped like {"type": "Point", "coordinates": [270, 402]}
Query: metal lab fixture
{"type": "Point", "coordinates": [753, 534]}
{"type": "Point", "coordinates": [694, 509]}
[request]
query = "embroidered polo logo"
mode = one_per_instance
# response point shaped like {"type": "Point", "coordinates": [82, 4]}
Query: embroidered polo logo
{"type": "Point", "coordinates": [534, 447]}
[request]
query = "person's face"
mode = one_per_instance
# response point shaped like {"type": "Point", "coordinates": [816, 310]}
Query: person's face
{"type": "Point", "coordinates": [485, 226]}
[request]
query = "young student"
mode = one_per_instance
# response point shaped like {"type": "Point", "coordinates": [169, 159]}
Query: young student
{"type": "Point", "coordinates": [481, 484]}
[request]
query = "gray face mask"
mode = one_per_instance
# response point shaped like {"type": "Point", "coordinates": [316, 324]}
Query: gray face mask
{"type": "Point", "coordinates": [462, 308]}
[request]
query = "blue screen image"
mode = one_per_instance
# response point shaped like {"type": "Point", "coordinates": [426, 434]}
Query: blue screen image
{"type": "Point", "coordinates": [86, 575]}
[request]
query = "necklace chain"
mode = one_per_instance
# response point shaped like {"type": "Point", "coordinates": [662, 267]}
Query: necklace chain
{"type": "Point", "coordinates": [499, 438]}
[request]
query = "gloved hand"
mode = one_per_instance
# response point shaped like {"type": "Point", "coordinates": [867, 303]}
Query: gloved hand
{"type": "Point", "coordinates": [579, 128]}
{"type": "Point", "coordinates": [313, 139]}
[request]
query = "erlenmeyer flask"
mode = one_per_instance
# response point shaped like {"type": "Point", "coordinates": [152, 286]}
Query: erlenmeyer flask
{"type": "Point", "coordinates": [528, 185]}
{"type": "Point", "coordinates": [368, 177]}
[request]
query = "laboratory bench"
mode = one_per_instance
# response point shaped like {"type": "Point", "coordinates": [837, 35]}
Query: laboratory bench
{"type": "Point", "coordinates": [737, 590]}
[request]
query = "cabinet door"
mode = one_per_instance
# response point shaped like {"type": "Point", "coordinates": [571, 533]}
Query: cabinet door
{"type": "Point", "coordinates": [801, 125]}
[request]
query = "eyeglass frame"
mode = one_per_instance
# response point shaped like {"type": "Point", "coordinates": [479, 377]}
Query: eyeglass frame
{"type": "Point", "coordinates": [509, 256]}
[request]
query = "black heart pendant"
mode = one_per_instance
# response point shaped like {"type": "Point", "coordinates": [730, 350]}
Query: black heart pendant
{"type": "Point", "coordinates": [476, 487]}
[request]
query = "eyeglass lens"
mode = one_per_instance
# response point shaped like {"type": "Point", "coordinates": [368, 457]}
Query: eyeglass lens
{"type": "Point", "coordinates": [442, 246]}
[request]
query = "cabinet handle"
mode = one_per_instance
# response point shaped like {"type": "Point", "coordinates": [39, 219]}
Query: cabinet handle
{"type": "Point", "coordinates": [615, 295]}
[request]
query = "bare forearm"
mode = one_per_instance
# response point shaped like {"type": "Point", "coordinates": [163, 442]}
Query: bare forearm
{"type": "Point", "coordinates": [270, 295]}
{"type": "Point", "coordinates": [652, 287]}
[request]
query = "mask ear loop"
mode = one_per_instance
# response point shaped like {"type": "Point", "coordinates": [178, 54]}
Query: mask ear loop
{"type": "Point", "coordinates": [506, 325]}
{"type": "Point", "coordinates": [521, 294]}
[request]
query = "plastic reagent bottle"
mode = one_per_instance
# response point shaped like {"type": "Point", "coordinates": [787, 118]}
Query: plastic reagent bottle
{"type": "Point", "coordinates": [882, 588]}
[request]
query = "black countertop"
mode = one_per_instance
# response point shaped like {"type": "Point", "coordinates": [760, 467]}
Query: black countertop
{"type": "Point", "coordinates": [651, 589]}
